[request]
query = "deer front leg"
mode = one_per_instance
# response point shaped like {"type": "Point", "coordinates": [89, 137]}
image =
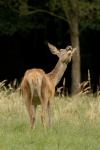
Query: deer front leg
{"type": "Point", "coordinates": [49, 113]}
{"type": "Point", "coordinates": [44, 112]}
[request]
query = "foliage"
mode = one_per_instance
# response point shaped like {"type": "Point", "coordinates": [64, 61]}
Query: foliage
{"type": "Point", "coordinates": [11, 22]}
{"type": "Point", "coordinates": [13, 18]}
{"type": "Point", "coordinates": [90, 15]}
{"type": "Point", "coordinates": [24, 15]}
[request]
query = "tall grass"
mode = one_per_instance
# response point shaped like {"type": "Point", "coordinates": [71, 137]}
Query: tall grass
{"type": "Point", "coordinates": [76, 124]}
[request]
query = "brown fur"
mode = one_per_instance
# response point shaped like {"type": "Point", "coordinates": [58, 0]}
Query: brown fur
{"type": "Point", "coordinates": [39, 88]}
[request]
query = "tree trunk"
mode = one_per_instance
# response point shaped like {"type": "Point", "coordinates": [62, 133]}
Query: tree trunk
{"type": "Point", "coordinates": [74, 34]}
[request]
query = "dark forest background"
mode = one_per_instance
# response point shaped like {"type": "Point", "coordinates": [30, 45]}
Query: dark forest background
{"type": "Point", "coordinates": [27, 25]}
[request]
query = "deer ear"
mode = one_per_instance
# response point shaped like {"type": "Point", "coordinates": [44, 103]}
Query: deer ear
{"type": "Point", "coordinates": [53, 49]}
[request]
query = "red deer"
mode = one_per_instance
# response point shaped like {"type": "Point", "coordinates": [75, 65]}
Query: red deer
{"type": "Point", "coordinates": [38, 87]}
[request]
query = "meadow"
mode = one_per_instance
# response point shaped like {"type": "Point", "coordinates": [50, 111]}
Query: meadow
{"type": "Point", "coordinates": [76, 124]}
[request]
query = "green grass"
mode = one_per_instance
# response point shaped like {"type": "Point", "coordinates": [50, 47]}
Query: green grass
{"type": "Point", "coordinates": [76, 124]}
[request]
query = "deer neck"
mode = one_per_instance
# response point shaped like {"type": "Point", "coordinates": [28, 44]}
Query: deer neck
{"type": "Point", "coordinates": [56, 74]}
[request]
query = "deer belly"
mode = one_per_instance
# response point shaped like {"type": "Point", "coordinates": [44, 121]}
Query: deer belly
{"type": "Point", "coordinates": [36, 99]}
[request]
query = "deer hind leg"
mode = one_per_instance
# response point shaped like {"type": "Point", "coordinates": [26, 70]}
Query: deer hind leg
{"type": "Point", "coordinates": [31, 109]}
{"type": "Point", "coordinates": [46, 116]}
{"type": "Point", "coordinates": [32, 114]}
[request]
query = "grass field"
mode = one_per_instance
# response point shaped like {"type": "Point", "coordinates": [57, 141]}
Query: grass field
{"type": "Point", "coordinates": [76, 124]}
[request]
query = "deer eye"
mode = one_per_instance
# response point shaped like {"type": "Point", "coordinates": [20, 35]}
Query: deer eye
{"type": "Point", "coordinates": [69, 48]}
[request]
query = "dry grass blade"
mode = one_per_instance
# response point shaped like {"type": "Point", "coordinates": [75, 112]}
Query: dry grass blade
{"type": "Point", "coordinates": [2, 85]}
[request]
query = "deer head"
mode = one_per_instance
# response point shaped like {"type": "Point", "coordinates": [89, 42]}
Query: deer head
{"type": "Point", "coordinates": [64, 55]}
